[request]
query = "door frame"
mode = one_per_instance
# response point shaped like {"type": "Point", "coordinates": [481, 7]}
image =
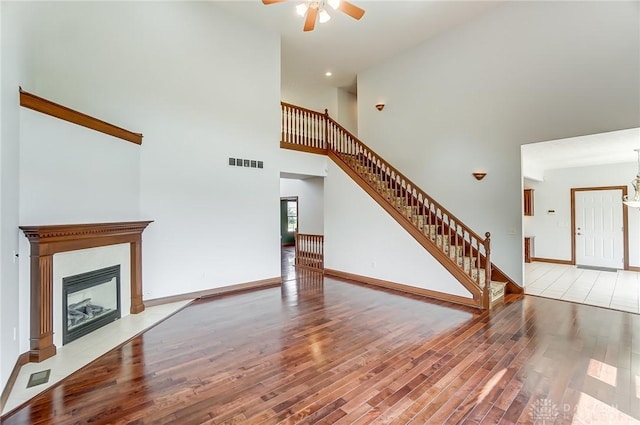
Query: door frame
{"type": "Point", "coordinates": [293, 198]}
{"type": "Point", "coordinates": [625, 222]}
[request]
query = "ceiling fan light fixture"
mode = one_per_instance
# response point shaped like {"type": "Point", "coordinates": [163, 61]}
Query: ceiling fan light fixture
{"type": "Point", "coordinates": [301, 9]}
{"type": "Point", "coordinates": [324, 16]}
{"type": "Point", "coordinates": [314, 11]}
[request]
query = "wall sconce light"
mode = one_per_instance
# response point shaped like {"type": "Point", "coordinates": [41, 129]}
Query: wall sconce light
{"type": "Point", "coordinates": [479, 176]}
{"type": "Point", "coordinates": [380, 106]}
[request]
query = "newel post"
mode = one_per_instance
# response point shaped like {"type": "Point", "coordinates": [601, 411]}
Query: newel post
{"type": "Point", "coordinates": [486, 301]}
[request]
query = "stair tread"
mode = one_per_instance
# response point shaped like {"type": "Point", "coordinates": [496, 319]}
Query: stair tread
{"type": "Point", "coordinates": [496, 288]}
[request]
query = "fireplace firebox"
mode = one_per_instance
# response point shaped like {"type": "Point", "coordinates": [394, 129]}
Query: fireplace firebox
{"type": "Point", "coordinates": [90, 300]}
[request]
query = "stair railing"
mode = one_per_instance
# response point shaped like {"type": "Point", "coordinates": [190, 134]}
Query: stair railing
{"type": "Point", "coordinates": [310, 251]}
{"type": "Point", "coordinates": [303, 129]}
{"type": "Point", "coordinates": [312, 131]}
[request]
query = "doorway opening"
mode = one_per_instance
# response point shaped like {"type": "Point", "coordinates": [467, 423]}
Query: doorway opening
{"type": "Point", "coordinates": [301, 217]}
{"type": "Point", "coordinates": [288, 220]}
{"type": "Point", "coordinates": [579, 183]}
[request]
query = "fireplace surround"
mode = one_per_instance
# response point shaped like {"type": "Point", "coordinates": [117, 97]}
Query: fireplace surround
{"type": "Point", "coordinates": [45, 241]}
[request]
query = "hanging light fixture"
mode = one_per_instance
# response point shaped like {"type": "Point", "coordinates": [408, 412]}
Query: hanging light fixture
{"type": "Point", "coordinates": [635, 201]}
{"type": "Point", "coordinates": [319, 9]}
{"type": "Point", "coordinates": [315, 11]}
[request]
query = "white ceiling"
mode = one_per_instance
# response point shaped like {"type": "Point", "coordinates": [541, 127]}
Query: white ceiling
{"type": "Point", "coordinates": [345, 46]}
{"type": "Point", "coordinates": [604, 148]}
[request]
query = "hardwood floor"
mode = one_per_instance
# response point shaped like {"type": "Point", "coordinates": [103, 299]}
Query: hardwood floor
{"type": "Point", "coordinates": [323, 351]}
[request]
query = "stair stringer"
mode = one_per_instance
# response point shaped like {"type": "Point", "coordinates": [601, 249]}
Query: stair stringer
{"type": "Point", "coordinates": [441, 257]}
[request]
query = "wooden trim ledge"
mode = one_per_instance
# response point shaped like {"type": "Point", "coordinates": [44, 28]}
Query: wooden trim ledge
{"type": "Point", "coordinates": [56, 110]}
{"type": "Point", "coordinates": [216, 292]}
{"type": "Point", "coordinates": [402, 288]}
{"type": "Point", "coordinates": [303, 148]}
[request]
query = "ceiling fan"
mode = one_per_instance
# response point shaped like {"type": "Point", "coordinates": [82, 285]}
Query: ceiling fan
{"type": "Point", "coordinates": [315, 10]}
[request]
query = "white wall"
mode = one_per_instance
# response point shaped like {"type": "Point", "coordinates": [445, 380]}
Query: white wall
{"type": "Point", "coordinates": [186, 75]}
{"type": "Point", "coordinates": [294, 162]}
{"type": "Point", "coordinates": [347, 111]}
{"type": "Point", "coordinates": [314, 98]}
{"type": "Point", "coordinates": [70, 174]}
{"type": "Point", "coordinates": [310, 193]}
{"type": "Point", "coordinates": [524, 72]}
{"type": "Point", "coordinates": [3, 332]}
{"type": "Point", "coordinates": [10, 69]}
{"type": "Point", "coordinates": [553, 231]}
{"type": "Point", "coordinates": [362, 238]}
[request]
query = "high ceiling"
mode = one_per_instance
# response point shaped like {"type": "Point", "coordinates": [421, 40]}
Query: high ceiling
{"type": "Point", "coordinates": [345, 46]}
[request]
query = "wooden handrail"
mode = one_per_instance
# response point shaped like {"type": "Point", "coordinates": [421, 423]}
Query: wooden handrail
{"type": "Point", "coordinates": [452, 232]}
{"type": "Point", "coordinates": [449, 239]}
{"type": "Point", "coordinates": [300, 108]}
{"type": "Point", "coordinates": [402, 176]}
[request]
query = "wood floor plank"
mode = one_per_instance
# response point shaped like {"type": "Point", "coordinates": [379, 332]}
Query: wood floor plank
{"type": "Point", "coordinates": [324, 351]}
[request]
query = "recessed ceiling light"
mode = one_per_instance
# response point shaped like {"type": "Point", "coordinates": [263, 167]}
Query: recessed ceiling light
{"type": "Point", "coordinates": [328, 74]}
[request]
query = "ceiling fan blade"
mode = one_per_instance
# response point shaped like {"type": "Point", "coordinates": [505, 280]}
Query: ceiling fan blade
{"type": "Point", "coordinates": [310, 21]}
{"type": "Point", "coordinates": [273, 1]}
{"type": "Point", "coordinates": [351, 9]}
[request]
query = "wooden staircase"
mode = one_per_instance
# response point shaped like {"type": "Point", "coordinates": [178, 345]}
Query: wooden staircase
{"type": "Point", "coordinates": [465, 254]}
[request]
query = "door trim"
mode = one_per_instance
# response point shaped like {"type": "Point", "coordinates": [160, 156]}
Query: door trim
{"type": "Point", "coordinates": [625, 224]}
{"type": "Point", "coordinates": [293, 198]}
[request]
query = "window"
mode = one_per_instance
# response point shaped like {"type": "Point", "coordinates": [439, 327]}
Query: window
{"type": "Point", "coordinates": [292, 216]}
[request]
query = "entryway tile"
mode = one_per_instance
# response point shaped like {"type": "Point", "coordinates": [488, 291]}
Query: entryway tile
{"type": "Point", "coordinates": [617, 290]}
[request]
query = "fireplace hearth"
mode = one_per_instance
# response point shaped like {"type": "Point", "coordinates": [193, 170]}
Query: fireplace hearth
{"type": "Point", "coordinates": [90, 300]}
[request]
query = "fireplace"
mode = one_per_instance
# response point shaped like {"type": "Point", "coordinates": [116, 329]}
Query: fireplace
{"type": "Point", "coordinates": [48, 240]}
{"type": "Point", "coordinates": [89, 301]}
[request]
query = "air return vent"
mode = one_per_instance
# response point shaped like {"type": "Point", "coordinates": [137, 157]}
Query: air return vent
{"type": "Point", "coordinates": [247, 163]}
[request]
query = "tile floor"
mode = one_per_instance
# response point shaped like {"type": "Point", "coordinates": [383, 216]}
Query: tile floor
{"type": "Point", "coordinates": [80, 352]}
{"type": "Point", "coordinates": [616, 290]}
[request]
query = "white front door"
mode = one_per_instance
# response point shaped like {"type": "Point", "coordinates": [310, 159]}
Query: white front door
{"type": "Point", "coordinates": [599, 232]}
